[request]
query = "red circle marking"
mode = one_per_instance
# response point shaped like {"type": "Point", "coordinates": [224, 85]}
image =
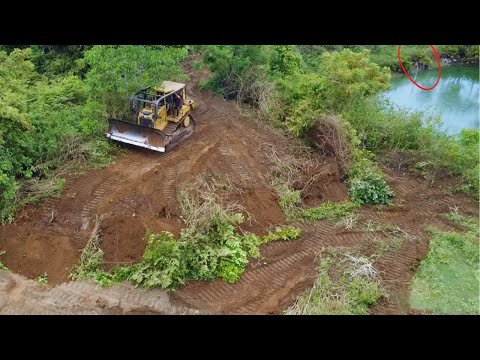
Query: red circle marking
{"type": "Point", "coordinates": [435, 53]}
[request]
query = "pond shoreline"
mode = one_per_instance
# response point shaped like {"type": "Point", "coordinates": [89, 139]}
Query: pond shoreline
{"type": "Point", "coordinates": [455, 98]}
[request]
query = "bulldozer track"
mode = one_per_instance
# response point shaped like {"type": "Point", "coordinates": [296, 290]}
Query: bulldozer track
{"type": "Point", "coordinates": [238, 170]}
{"type": "Point", "coordinates": [169, 190]}
{"type": "Point", "coordinates": [49, 207]}
{"type": "Point", "coordinates": [116, 180]}
{"type": "Point", "coordinates": [262, 278]}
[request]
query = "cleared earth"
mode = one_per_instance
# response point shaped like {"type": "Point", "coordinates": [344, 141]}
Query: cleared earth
{"type": "Point", "coordinates": [139, 193]}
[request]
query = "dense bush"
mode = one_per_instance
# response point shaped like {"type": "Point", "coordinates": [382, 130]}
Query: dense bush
{"type": "Point", "coordinates": [45, 123]}
{"type": "Point", "coordinates": [381, 126]}
{"type": "Point", "coordinates": [53, 60]}
{"type": "Point", "coordinates": [299, 97]}
{"type": "Point", "coordinates": [343, 77]}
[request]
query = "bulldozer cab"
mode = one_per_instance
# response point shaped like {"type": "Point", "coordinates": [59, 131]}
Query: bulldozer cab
{"type": "Point", "coordinates": [150, 102]}
{"type": "Point", "coordinates": [168, 91]}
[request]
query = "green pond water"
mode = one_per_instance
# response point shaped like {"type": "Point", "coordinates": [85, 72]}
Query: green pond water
{"type": "Point", "coordinates": [455, 98]}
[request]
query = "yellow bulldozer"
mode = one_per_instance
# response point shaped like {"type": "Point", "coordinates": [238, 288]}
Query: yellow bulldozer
{"type": "Point", "coordinates": [161, 118]}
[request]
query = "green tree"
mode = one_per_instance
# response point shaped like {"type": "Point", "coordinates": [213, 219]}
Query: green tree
{"type": "Point", "coordinates": [115, 72]}
{"type": "Point", "coordinates": [236, 66]}
{"type": "Point", "coordinates": [350, 76]}
{"type": "Point", "coordinates": [285, 60]}
{"type": "Point", "coordinates": [16, 73]}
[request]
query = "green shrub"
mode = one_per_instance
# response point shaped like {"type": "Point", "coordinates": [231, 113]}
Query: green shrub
{"type": "Point", "coordinates": [231, 64]}
{"type": "Point", "coordinates": [168, 263]}
{"type": "Point", "coordinates": [382, 127]}
{"type": "Point", "coordinates": [251, 244]}
{"type": "Point", "coordinates": [43, 279]}
{"type": "Point", "coordinates": [233, 260]}
{"type": "Point", "coordinates": [351, 76]}
{"type": "Point", "coordinates": [46, 123]}
{"type": "Point", "coordinates": [162, 266]}
{"type": "Point", "coordinates": [370, 188]}
{"type": "Point", "coordinates": [285, 60]}
{"type": "Point", "coordinates": [363, 291]}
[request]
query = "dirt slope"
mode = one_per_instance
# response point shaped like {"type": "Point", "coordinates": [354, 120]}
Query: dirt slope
{"type": "Point", "coordinates": [21, 296]}
{"type": "Point", "coordinates": [139, 192]}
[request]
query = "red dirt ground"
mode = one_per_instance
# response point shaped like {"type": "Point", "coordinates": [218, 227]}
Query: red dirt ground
{"type": "Point", "coordinates": [139, 191]}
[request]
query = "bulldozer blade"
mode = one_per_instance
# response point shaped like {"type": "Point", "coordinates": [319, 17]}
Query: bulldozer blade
{"type": "Point", "coordinates": [130, 133]}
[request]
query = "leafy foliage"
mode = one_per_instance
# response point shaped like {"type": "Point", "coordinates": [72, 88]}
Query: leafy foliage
{"type": "Point", "coordinates": [350, 76]}
{"type": "Point", "coordinates": [384, 128]}
{"type": "Point", "coordinates": [282, 233]}
{"type": "Point", "coordinates": [162, 263]}
{"type": "Point", "coordinates": [44, 124]}
{"type": "Point", "coordinates": [51, 118]}
{"type": "Point", "coordinates": [285, 60]}
{"type": "Point", "coordinates": [53, 60]}
{"type": "Point", "coordinates": [366, 182]}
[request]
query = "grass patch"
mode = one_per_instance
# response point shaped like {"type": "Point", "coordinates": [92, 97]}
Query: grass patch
{"type": "Point", "coordinates": [345, 285]}
{"type": "Point", "coordinates": [198, 65]}
{"type": "Point", "coordinates": [447, 281]}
